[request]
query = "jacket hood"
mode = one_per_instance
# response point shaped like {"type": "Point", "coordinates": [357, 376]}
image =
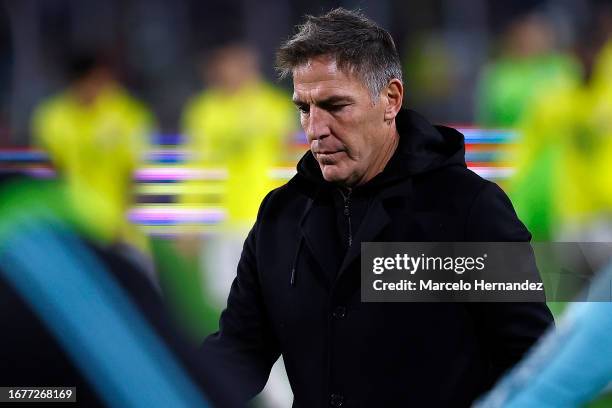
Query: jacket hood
{"type": "Point", "coordinates": [422, 148]}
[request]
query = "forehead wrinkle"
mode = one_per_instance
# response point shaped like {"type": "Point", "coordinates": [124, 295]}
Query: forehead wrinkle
{"type": "Point", "coordinates": [317, 93]}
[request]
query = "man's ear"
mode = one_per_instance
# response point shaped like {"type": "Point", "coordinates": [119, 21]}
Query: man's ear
{"type": "Point", "coordinates": [394, 94]}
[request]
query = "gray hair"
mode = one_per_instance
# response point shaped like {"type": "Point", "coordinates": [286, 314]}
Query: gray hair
{"type": "Point", "coordinates": [357, 44]}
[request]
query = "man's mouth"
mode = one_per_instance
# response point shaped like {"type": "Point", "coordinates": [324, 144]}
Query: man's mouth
{"type": "Point", "coordinates": [328, 156]}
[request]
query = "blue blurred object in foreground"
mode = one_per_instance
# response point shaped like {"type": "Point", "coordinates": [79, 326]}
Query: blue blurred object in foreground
{"type": "Point", "coordinates": [570, 366]}
{"type": "Point", "coordinates": [94, 320]}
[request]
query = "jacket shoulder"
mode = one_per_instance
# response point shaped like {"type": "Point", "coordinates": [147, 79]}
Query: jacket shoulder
{"type": "Point", "coordinates": [455, 185]}
{"type": "Point", "coordinates": [489, 213]}
{"type": "Point", "coordinates": [465, 178]}
{"type": "Point", "coordinates": [284, 200]}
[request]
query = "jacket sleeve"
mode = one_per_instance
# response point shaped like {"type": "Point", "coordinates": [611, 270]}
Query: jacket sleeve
{"type": "Point", "coordinates": [507, 330]}
{"type": "Point", "coordinates": [244, 348]}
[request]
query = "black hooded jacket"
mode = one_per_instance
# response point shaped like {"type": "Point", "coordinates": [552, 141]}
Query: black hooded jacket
{"type": "Point", "coordinates": [297, 290]}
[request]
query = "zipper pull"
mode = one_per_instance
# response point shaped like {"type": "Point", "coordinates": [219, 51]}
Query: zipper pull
{"type": "Point", "coordinates": [347, 201]}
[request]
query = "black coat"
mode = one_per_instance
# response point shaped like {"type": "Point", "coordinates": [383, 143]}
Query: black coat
{"type": "Point", "coordinates": [297, 290]}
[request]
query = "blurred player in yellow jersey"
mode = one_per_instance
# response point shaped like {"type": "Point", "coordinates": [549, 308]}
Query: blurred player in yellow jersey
{"type": "Point", "coordinates": [239, 123]}
{"type": "Point", "coordinates": [96, 134]}
{"type": "Point", "coordinates": [563, 186]}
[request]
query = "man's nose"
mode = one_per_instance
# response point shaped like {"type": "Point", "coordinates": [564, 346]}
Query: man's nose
{"type": "Point", "coordinates": [317, 126]}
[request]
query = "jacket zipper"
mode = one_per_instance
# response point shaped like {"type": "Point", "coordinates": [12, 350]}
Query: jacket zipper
{"type": "Point", "coordinates": [347, 213]}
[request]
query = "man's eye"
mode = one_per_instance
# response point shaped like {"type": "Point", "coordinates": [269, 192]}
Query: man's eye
{"type": "Point", "coordinates": [335, 108]}
{"type": "Point", "coordinates": [303, 108]}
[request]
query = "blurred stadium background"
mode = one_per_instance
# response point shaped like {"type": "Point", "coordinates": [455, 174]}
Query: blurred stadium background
{"type": "Point", "coordinates": [170, 113]}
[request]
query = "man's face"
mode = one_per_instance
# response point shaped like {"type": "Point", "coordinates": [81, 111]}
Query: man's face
{"type": "Point", "coordinates": [345, 129]}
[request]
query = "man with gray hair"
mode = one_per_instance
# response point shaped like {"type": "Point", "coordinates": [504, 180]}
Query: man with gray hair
{"type": "Point", "coordinates": [374, 172]}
